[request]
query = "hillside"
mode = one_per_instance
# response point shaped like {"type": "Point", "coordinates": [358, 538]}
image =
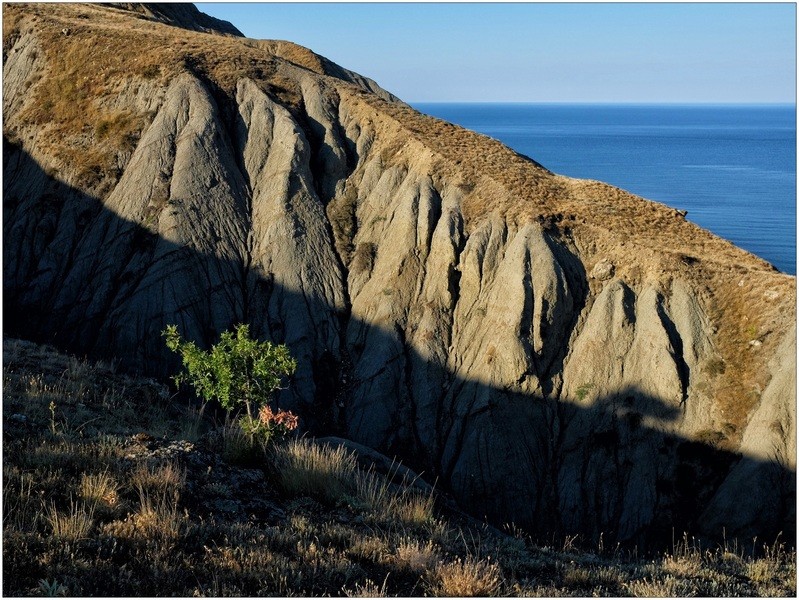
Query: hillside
{"type": "Point", "coordinates": [556, 353]}
{"type": "Point", "coordinates": [111, 488]}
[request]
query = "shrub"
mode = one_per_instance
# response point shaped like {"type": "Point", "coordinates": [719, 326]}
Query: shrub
{"type": "Point", "coordinates": [237, 371]}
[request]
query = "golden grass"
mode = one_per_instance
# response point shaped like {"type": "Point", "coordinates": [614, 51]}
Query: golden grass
{"type": "Point", "coordinates": [161, 481]}
{"type": "Point", "coordinates": [70, 107]}
{"type": "Point", "coordinates": [466, 577]}
{"type": "Point", "coordinates": [388, 502]}
{"type": "Point", "coordinates": [416, 556]}
{"type": "Point", "coordinates": [367, 589]}
{"type": "Point", "coordinates": [73, 524]}
{"type": "Point", "coordinates": [667, 587]}
{"type": "Point", "coordinates": [99, 489]}
{"type": "Point", "coordinates": [306, 468]}
{"type": "Point", "coordinates": [158, 519]}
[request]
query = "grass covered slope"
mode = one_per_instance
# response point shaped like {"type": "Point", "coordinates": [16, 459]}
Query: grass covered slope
{"type": "Point", "coordinates": [112, 488]}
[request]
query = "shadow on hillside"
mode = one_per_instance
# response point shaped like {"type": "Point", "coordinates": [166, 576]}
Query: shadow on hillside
{"type": "Point", "coordinates": [89, 282]}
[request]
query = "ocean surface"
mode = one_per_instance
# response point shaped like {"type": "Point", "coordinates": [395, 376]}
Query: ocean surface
{"type": "Point", "coordinates": [732, 167]}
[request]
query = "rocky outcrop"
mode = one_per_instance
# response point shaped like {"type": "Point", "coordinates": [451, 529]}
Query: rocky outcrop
{"type": "Point", "coordinates": [555, 353]}
{"type": "Point", "coordinates": [181, 15]}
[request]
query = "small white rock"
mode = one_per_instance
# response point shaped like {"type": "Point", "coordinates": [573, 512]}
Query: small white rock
{"type": "Point", "coordinates": [603, 270]}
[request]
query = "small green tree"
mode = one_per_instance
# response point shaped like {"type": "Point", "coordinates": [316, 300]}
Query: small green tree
{"type": "Point", "coordinates": [237, 371]}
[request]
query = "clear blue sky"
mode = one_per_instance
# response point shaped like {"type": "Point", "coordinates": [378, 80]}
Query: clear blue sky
{"type": "Point", "coordinates": [559, 52]}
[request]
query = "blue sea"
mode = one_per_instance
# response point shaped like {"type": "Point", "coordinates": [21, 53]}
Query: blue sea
{"type": "Point", "coordinates": [732, 167]}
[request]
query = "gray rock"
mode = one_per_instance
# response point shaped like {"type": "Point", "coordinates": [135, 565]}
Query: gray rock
{"type": "Point", "coordinates": [431, 314]}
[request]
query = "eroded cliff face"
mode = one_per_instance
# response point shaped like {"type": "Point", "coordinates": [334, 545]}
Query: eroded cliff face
{"type": "Point", "coordinates": [556, 353]}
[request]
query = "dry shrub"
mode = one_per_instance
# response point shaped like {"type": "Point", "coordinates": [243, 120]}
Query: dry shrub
{"type": "Point", "coordinates": [364, 257]}
{"type": "Point", "coordinates": [469, 577]}
{"type": "Point", "coordinates": [308, 469]}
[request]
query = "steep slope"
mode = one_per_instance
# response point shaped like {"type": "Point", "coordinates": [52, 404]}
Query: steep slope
{"type": "Point", "coordinates": [556, 352]}
{"type": "Point", "coordinates": [179, 14]}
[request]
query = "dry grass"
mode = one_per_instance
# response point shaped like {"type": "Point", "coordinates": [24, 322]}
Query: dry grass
{"type": "Point", "coordinates": [395, 503]}
{"type": "Point", "coordinates": [99, 489]}
{"type": "Point", "coordinates": [466, 577]}
{"type": "Point", "coordinates": [105, 51]}
{"type": "Point", "coordinates": [164, 480]}
{"type": "Point", "coordinates": [368, 589]}
{"type": "Point", "coordinates": [71, 525]}
{"type": "Point", "coordinates": [158, 519]}
{"type": "Point", "coordinates": [306, 468]}
{"type": "Point", "coordinates": [415, 556]}
{"type": "Point", "coordinates": [66, 496]}
{"type": "Point", "coordinates": [238, 447]}
{"type": "Point", "coordinates": [92, 513]}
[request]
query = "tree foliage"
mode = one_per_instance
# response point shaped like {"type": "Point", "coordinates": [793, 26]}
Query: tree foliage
{"type": "Point", "coordinates": [237, 371]}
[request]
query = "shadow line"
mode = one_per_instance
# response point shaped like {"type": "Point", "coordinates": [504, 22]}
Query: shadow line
{"type": "Point", "coordinates": [81, 278]}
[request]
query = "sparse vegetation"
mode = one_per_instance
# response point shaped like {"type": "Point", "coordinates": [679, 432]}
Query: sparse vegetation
{"type": "Point", "coordinates": [341, 211]}
{"type": "Point", "coordinates": [114, 503]}
{"type": "Point", "coordinates": [583, 390]}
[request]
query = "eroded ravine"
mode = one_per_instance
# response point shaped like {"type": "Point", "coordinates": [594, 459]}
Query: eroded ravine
{"type": "Point", "coordinates": [556, 353]}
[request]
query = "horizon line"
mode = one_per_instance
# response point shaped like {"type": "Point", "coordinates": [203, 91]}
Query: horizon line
{"type": "Point", "coordinates": [606, 102]}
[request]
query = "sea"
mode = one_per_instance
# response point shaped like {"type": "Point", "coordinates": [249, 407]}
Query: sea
{"type": "Point", "coordinates": [732, 167]}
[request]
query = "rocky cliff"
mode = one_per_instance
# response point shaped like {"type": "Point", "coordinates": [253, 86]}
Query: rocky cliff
{"type": "Point", "coordinates": [555, 352]}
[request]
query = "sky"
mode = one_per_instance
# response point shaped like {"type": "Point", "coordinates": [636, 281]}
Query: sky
{"type": "Point", "coordinates": [546, 52]}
